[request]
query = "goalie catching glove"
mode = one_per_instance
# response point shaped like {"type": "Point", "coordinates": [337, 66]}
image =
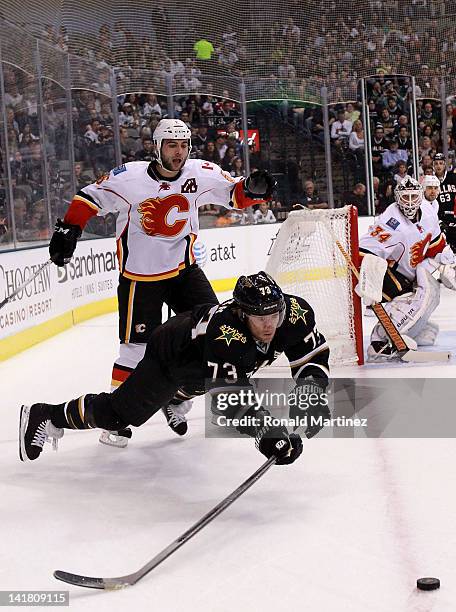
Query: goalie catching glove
{"type": "Point", "coordinates": [259, 185]}
{"type": "Point", "coordinates": [309, 401]}
{"type": "Point", "coordinates": [63, 242]}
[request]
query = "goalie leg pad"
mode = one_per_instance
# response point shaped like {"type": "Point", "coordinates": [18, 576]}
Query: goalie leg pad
{"type": "Point", "coordinates": [428, 335]}
{"type": "Point", "coordinates": [410, 312]}
{"type": "Point", "coordinates": [448, 276]}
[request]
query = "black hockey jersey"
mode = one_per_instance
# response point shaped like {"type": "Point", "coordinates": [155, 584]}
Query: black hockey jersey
{"type": "Point", "coordinates": [212, 343]}
{"type": "Point", "coordinates": [447, 203]}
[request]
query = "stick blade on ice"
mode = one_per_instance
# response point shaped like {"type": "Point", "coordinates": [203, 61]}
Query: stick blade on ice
{"type": "Point", "coordinates": [91, 582]}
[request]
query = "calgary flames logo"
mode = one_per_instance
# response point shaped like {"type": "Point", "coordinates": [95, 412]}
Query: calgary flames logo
{"type": "Point", "coordinates": [418, 250]}
{"type": "Point", "coordinates": [155, 214]}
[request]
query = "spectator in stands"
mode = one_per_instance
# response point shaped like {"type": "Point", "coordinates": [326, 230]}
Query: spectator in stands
{"type": "Point", "coordinates": [340, 129]}
{"type": "Point", "coordinates": [230, 37]}
{"type": "Point", "coordinates": [314, 124]}
{"type": "Point", "coordinates": [106, 113]}
{"type": "Point", "coordinates": [18, 169]}
{"type": "Point", "coordinates": [190, 81]}
{"type": "Point", "coordinates": [401, 171]}
{"type": "Point", "coordinates": [237, 167]}
{"type": "Point", "coordinates": [310, 198]}
{"type": "Point", "coordinates": [429, 117]}
{"type": "Point", "coordinates": [389, 123]}
{"type": "Point", "coordinates": [227, 110]}
{"type": "Point", "coordinates": [228, 157]}
{"type": "Point", "coordinates": [351, 113]}
{"type": "Point", "coordinates": [13, 97]}
{"type": "Point", "coordinates": [220, 145]}
{"type": "Point", "coordinates": [203, 49]}
{"type": "Point", "coordinates": [151, 107]}
{"type": "Point", "coordinates": [392, 156]}
{"type": "Point", "coordinates": [373, 114]}
{"type": "Point", "coordinates": [264, 214]}
{"type": "Point", "coordinates": [126, 116]}
{"type": "Point", "coordinates": [425, 147]}
{"type": "Point", "coordinates": [384, 193]}
{"type": "Point", "coordinates": [146, 153]}
{"type": "Point", "coordinates": [393, 109]}
{"type": "Point", "coordinates": [184, 116]}
{"type": "Point", "coordinates": [357, 198]}
{"type": "Point", "coordinates": [91, 134]}
{"type": "Point", "coordinates": [403, 140]}
{"type": "Point", "coordinates": [356, 139]}
{"type": "Point", "coordinates": [426, 163]}
{"type": "Point", "coordinates": [210, 153]}
{"type": "Point", "coordinates": [82, 180]}
{"type": "Point", "coordinates": [200, 139]}
{"type": "Point", "coordinates": [128, 145]}
{"type": "Point", "coordinates": [379, 146]}
{"type": "Point", "coordinates": [11, 120]}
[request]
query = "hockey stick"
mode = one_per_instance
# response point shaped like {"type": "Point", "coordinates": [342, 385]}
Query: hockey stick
{"type": "Point", "coordinates": [405, 353]}
{"type": "Point", "coordinates": [131, 579]}
{"type": "Point", "coordinates": [25, 283]}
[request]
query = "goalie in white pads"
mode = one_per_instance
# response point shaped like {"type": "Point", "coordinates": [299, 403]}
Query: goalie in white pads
{"type": "Point", "coordinates": [399, 254]}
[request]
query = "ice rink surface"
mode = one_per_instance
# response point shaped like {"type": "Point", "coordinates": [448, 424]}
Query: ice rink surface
{"type": "Point", "coordinates": [349, 527]}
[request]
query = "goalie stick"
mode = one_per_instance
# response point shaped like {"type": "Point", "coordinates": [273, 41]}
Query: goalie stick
{"type": "Point", "coordinates": [405, 353]}
{"type": "Point", "coordinates": [24, 284]}
{"type": "Point", "coordinates": [130, 579]}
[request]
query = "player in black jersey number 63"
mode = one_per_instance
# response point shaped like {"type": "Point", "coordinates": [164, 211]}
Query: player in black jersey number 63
{"type": "Point", "coordinates": [223, 343]}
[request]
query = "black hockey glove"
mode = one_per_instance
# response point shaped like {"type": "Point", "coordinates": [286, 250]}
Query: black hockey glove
{"type": "Point", "coordinates": [63, 242]}
{"type": "Point", "coordinates": [309, 403]}
{"type": "Point", "coordinates": [259, 185]}
{"type": "Point", "coordinates": [277, 442]}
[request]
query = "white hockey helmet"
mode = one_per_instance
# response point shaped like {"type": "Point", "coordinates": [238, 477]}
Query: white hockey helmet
{"type": "Point", "coordinates": [430, 180]}
{"type": "Point", "coordinates": [409, 195]}
{"type": "Point", "coordinates": [170, 129]}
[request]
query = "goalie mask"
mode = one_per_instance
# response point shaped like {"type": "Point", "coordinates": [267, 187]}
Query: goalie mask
{"type": "Point", "coordinates": [259, 295]}
{"type": "Point", "coordinates": [170, 129]}
{"type": "Point", "coordinates": [409, 195]}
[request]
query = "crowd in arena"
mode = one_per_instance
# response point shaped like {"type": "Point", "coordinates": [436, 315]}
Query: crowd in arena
{"type": "Point", "coordinates": [341, 45]}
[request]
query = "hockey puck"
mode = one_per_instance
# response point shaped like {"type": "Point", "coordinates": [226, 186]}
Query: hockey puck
{"type": "Point", "coordinates": [428, 584]}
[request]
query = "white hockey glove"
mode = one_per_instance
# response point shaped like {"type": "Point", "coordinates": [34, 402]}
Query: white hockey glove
{"type": "Point", "coordinates": [371, 275]}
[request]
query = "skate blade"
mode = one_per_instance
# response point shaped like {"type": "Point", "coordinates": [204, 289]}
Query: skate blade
{"type": "Point", "coordinates": [23, 423]}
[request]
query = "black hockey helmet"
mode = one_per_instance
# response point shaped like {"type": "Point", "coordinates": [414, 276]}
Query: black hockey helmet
{"type": "Point", "coordinates": [259, 294]}
{"type": "Point", "coordinates": [439, 157]}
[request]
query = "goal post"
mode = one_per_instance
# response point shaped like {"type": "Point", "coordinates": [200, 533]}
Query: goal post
{"type": "Point", "coordinates": [306, 261]}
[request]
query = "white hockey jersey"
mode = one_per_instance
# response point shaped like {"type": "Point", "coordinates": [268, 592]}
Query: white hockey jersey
{"type": "Point", "coordinates": [157, 222]}
{"type": "Point", "coordinates": [404, 243]}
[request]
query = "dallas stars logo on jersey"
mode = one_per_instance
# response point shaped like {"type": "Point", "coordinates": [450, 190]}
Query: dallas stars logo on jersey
{"type": "Point", "coordinates": [230, 333]}
{"type": "Point", "coordinates": [297, 312]}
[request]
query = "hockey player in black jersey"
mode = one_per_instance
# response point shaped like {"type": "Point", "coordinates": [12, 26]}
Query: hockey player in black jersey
{"type": "Point", "coordinates": [446, 199]}
{"type": "Point", "coordinates": [196, 352]}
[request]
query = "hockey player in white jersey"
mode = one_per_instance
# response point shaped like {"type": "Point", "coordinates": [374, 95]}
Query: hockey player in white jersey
{"type": "Point", "coordinates": [431, 187]}
{"type": "Point", "coordinates": [157, 224]}
{"type": "Point", "coordinates": [399, 254]}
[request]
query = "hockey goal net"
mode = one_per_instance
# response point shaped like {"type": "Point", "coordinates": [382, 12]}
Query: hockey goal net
{"type": "Point", "coordinates": [306, 261]}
